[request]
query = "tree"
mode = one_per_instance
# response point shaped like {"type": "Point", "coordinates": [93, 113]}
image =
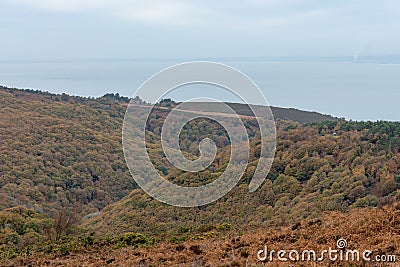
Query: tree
{"type": "Point", "coordinates": [64, 222]}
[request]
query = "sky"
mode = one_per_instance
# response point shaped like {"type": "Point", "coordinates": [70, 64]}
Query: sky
{"type": "Point", "coordinates": [82, 35]}
{"type": "Point", "coordinates": [75, 29]}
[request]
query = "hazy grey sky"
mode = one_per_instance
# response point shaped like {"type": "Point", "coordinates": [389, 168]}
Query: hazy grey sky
{"type": "Point", "coordinates": [74, 29]}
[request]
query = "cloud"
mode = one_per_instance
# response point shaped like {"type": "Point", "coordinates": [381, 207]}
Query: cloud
{"type": "Point", "coordinates": [162, 12]}
{"type": "Point", "coordinates": [178, 12]}
{"type": "Point", "coordinates": [227, 14]}
{"type": "Point", "coordinates": [63, 5]}
{"type": "Point", "coordinates": [158, 11]}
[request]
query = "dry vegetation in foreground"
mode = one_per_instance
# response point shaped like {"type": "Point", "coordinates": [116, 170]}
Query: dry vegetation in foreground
{"type": "Point", "coordinates": [376, 229]}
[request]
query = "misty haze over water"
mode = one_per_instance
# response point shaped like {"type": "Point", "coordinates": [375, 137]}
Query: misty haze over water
{"type": "Point", "coordinates": [354, 88]}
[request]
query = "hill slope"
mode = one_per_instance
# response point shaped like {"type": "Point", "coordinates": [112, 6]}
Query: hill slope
{"type": "Point", "coordinates": [64, 153]}
{"type": "Point", "coordinates": [314, 171]}
{"type": "Point", "coordinates": [377, 230]}
{"type": "Point", "coordinates": [59, 150]}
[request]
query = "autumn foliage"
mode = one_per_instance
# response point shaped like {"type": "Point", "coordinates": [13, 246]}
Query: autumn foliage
{"type": "Point", "coordinates": [65, 188]}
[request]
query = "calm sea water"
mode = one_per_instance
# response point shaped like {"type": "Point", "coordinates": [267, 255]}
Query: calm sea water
{"type": "Point", "coordinates": [358, 91]}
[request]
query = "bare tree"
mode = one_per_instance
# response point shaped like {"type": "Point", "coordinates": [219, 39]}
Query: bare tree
{"type": "Point", "coordinates": [64, 222]}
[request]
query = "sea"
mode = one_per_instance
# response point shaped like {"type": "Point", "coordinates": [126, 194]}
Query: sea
{"type": "Point", "coordinates": [356, 90]}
